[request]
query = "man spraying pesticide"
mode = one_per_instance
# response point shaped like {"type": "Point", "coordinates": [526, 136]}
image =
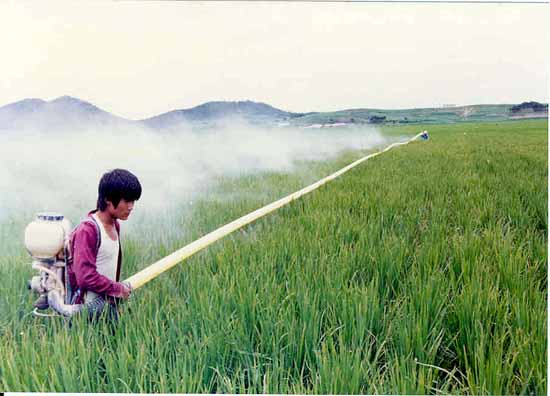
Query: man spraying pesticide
{"type": "Point", "coordinates": [91, 272]}
{"type": "Point", "coordinates": [80, 269]}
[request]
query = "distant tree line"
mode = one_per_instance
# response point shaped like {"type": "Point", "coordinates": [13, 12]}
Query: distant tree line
{"type": "Point", "coordinates": [536, 106]}
{"type": "Point", "coordinates": [377, 119]}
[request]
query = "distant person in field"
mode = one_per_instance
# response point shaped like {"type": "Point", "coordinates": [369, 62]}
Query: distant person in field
{"type": "Point", "coordinates": [95, 243]}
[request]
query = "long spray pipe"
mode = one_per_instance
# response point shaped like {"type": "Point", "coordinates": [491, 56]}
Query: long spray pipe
{"type": "Point", "coordinates": [142, 277]}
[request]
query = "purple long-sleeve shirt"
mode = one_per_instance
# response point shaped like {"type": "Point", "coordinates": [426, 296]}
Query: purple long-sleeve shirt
{"type": "Point", "coordinates": [83, 273]}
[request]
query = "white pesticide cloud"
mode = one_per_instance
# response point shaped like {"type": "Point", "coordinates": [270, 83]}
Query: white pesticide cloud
{"type": "Point", "coordinates": [60, 171]}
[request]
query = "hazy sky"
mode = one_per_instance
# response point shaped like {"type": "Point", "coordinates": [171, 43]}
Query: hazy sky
{"type": "Point", "coordinates": [138, 59]}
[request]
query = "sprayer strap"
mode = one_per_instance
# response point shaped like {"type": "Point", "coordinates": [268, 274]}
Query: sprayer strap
{"type": "Point", "coordinates": [68, 288]}
{"type": "Point", "coordinates": [71, 297]}
{"type": "Point", "coordinates": [91, 219]}
{"type": "Point", "coordinates": [98, 231]}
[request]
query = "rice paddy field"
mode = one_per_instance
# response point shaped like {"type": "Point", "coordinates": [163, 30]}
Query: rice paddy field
{"type": "Point", "coordinates": [422, 271]}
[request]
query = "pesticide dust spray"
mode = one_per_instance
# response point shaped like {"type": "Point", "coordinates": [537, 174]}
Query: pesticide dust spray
{"type": "Point", "coordinates": [59, 170]}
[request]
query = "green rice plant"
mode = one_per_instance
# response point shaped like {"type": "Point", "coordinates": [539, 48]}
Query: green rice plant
{"type": "Point", "coordinates": [421, 271]}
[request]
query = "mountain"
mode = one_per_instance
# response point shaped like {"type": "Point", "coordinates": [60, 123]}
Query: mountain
{"type": "Point", "coordinates": [11, 114]}
{"type": "Point", "coordinates": [68, 113]}
{"type": "Point", "coordinates": [62, 113]}
{"type": "Point", "coordinates": [214, 111]}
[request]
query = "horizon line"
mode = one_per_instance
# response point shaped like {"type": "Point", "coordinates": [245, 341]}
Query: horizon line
{"type": "Point", "coordinates": [441, 106]}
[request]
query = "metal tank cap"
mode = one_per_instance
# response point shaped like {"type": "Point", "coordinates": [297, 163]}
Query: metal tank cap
{"type": "Point", "coordinates": [50, 216]}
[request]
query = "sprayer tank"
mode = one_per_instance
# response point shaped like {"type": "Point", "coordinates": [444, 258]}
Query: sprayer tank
{"type": "Point", "coordinates": [45, 235]}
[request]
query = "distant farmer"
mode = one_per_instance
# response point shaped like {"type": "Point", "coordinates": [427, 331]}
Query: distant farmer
{"type": "Point", "coordinates": [94, 273]}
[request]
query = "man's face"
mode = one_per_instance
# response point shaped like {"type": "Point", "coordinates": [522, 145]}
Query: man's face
{"type": "Point", "coordinates": [122, 211]}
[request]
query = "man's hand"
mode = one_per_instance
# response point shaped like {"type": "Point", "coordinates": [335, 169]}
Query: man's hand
{"type": "Point", "coordinates": [126, 290]}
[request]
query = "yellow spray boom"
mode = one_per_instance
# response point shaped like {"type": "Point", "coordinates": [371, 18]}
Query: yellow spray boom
{"type": "Point", "coordinates": [142, 277]}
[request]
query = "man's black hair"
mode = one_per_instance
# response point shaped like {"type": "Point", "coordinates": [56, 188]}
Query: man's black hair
{"type": "Point", "coordinates": [116, 185]}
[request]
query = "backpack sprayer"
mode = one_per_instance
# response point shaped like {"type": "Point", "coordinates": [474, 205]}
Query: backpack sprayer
{"type": "Point", "coordinates": [47, 239]}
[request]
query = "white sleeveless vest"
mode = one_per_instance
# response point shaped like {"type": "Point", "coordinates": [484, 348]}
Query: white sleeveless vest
{"type": "Point", "coordinates": [107, 257]}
